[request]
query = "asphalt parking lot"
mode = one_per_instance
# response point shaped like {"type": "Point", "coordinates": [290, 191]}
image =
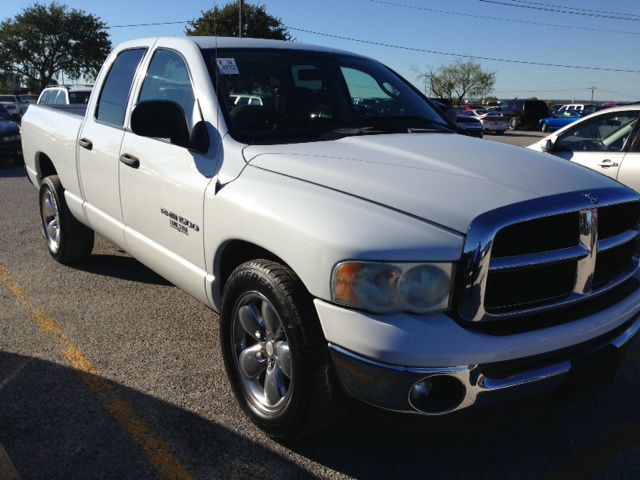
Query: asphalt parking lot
{"type": "Point", "coordinates": [109, 371]}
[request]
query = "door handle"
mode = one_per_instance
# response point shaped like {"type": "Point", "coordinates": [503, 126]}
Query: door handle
{"type": "Point", "coordinates": [608, 163]}
{"type": "Point", "coordinates": [85, 143]}
{"type": "Point", "coordinates": [130, 160]}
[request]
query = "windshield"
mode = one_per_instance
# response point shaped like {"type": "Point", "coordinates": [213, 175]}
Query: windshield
{"type": "Point", "coordinates": [273, 96]}
{"type": "Point", "coordinates": [7, 98]}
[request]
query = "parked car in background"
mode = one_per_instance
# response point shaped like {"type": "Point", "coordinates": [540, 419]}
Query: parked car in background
{"type": "Point", "coordinates": [553, 109]}
{"type": "Point", "coordinates": [524, 113]}
{"type": "Point", "coordinates": [492, 121]}
{"type": "Point", "coordinates": [12, 110]}
{"type": "Point", "coordinates": [65, 95]}
{"type": "Point", "coordinates": [559, 120]}
{"type": "Point", "coordinates": [29, 99]}
{"type": "Point", "coordinates": [15, 100]}
{"type": "Point", "coordinates": [10, 145]}
{"type": "Point", "coordinates": [470, 125]}
{"type": "Point", "coordinates": [576, 107]}
{"type": "Point", "coordinates": [607, 141]}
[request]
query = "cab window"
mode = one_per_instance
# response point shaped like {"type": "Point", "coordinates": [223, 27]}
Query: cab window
{"type": "Point", "coordinates": [168, 79]}
{"type": "Point", "coordinates": [116, 88]}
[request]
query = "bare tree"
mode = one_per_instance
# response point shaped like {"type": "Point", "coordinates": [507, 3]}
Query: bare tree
{"type": "Point", "coordinates": [460, 80]}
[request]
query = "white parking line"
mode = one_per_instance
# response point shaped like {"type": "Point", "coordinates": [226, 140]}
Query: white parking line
{"type": "Point", "coordinates": [7, 380]}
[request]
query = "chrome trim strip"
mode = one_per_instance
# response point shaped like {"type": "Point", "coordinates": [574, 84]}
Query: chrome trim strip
{"type": "Point", "coordinates": [531, 260]}
{"type": "Point", "coordinates": [627, 335]}
{"type": "Point", "coordinates": [476, 258]}
{"type": "Point", "coordinates": [585, 268]}
{"type": "Point", "coordinates": [488, 384]}
{"type": "Point", "coordinates": [617, 240]}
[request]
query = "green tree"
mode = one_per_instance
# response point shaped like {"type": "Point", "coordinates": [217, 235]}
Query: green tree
{"type": "Point", "coordinates": [44, 40]}
{"type": "Point", "coordinates": [460, 80]}
{"type": "Point", "coordinates": [223, 22]}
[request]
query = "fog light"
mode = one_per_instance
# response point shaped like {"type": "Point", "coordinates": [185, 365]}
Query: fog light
{"type": "Point", "coordinates": [437, 394]}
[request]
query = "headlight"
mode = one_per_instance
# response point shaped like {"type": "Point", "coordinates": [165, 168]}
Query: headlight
{"type": "Point", "coordinates": [10, 138]}
{"type": "Point", "coordinates": [393, 287]}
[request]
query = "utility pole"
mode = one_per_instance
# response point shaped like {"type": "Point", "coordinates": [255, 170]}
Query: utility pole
{"type": "Point", "coordinates": [592, 89]}
{"type": "Point", "coordinates": [240, 19]}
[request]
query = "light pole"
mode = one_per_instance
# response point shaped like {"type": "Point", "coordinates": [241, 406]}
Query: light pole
{"type": "Point", "coordinates": [240, 19]}
{"type": "Point", "coordinates": [592, 90]}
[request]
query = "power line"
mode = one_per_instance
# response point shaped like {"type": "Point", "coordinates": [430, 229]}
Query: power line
{"type": "Point", "coordinates": [577, 8]}
{"type": "Point", "coordinates": [415, 49]}
{"type": "Point", "coordinates": [148, 24]}
{"type": "Point", "coordinates": [460, 55]}
{"type": "Point", "coordinates": [565, 10]}
{"type": "Point", "coordinates": [500, 19]}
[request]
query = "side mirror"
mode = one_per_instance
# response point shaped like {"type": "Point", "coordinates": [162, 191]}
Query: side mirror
{"type": "Point", "coordinates": [161, 119]}
{"type": "Point", "coordinates": [548, 146]}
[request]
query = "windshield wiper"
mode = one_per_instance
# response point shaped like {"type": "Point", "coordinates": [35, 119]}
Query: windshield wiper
{"type": "Point", "coordinates": [405, 123]}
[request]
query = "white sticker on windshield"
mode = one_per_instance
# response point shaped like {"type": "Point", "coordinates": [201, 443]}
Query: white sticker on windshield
{"type": "Point", "coordinates": [227, 66]}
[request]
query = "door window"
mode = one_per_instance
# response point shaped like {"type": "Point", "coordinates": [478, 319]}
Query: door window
{"type": "Point", "coordinates": [605, 133]}
{"type": "Point", "coordinates": [168, 79]}
{"type": "Point", "coordinates": [116, 88]}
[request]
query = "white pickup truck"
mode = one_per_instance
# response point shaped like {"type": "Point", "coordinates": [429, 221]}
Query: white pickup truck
{"type": "Point", "coordinates": [351, 240]}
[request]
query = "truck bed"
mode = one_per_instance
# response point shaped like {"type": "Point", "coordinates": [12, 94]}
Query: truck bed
{"type": "Point", "coordinates": [52, 130]}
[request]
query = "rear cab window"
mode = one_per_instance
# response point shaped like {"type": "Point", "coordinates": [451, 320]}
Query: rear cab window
{"type": "Point", "coordinates": [116, 88]}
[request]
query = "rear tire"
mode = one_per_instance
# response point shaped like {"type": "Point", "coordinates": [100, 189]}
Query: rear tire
{"type": "Point", "coordinates": [68, 240]}
{"type": "Point", "coordinates": [274, 352]}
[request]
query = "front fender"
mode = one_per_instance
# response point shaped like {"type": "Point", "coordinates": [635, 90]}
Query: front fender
{"type": "Point", "coordinates": [311, 228]}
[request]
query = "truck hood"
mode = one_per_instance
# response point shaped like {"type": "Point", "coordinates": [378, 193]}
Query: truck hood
{"type": "Point", "coordinates": [446, 179]}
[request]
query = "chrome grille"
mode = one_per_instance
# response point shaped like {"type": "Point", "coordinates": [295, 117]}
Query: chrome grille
{"type": "Point", "coordinates": [548, 253]}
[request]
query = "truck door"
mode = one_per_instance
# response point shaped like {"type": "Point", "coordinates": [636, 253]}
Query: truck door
{"type": "Point", "coordinates": [162, 185]}
{"type": "Point", "coordinates": [99, 146]}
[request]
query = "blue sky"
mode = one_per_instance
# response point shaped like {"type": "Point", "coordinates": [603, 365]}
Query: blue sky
{"type": "Point", "coordinates": [467, 35]}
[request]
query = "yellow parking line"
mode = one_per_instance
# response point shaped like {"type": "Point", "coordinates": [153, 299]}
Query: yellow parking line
{"type": "Point", "coordinates": [157, 451]}
{"type": "Point", "coordinates": [7, 469]}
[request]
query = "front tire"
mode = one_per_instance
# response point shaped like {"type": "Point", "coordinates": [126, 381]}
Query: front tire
{"type": "Point", "coordinates": [274, 351]}
{"type": "Point", "coordinates": [513, 123]}
{"type": "Point", "coordinates": [68, 240]}
{"type": "Point", "coordinates": [544, 128]}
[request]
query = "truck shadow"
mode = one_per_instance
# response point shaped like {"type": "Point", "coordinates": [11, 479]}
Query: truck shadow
{"type": "Point", "coordinates": [124, 268]}
{"type": "Point", "coordinates": [527, 439]}
{"type": "Point", "coordinates": [54, 426]}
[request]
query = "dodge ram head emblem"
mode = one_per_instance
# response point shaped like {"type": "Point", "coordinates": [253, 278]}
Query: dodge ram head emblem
{"type": "Point", "coordinates": [591, 197]}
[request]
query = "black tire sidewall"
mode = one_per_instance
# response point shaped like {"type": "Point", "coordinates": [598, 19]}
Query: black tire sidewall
{"type": "Point", "coordinates": [288, 419]}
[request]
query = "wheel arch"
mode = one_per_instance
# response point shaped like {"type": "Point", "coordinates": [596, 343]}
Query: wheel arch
{"type": "Point", "coordinates": [44, 166]}
{"type": "Point", "coordinates": [234, 253]}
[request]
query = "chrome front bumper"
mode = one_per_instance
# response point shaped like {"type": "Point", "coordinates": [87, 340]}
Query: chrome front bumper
{"type": "Point", "coordinates": [389, 386]}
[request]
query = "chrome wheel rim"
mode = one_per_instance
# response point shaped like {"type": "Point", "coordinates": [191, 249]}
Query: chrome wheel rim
{"type": "Point", "coordinates": [261, 352]}
{"type": "Point", "coordinates": [51, 221]}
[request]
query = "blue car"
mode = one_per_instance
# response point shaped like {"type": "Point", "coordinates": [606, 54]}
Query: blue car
{"type": "Point", "coordinates": [549, 124]}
